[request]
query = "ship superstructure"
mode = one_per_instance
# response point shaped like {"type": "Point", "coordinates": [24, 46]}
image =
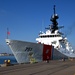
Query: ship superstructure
{"type": "Point", "coordinates": [54, 37]}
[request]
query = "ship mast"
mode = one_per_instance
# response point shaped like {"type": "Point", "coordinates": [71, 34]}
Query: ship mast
{"type": "Point", "coordinates": [54, 26]}
{"type": "Point", "coordinates": [54, 9]}
{"type": "Point", "coordinates": [54, 21]}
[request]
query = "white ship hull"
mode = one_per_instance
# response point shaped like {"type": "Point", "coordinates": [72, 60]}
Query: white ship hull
{"type": "Point", "coordinates": [27, 51]}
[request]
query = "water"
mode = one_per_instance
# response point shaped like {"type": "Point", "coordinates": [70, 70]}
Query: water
{"type": "Point", "coordinates": [11, 58]}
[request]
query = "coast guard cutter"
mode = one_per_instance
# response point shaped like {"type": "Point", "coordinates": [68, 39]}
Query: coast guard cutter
{"type": "Point", "coordinates": [50, 45]}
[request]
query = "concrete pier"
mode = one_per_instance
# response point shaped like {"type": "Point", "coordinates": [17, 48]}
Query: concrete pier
{"type": "Point", "coordinates": [54, 67]}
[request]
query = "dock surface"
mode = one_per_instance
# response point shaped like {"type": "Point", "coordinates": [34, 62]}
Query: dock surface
{"type": "Point", "coordinates": [42, 68]}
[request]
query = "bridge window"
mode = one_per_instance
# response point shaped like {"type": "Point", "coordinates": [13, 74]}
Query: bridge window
{"type": "Point", "coordinates": [44, 36]}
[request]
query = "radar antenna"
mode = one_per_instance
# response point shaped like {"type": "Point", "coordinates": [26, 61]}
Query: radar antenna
{"type": "Point", "coordinates": [54, 26]}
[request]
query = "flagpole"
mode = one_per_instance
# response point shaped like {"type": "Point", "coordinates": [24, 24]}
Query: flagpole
{"type": "Point", "coordinates": [7, 33]}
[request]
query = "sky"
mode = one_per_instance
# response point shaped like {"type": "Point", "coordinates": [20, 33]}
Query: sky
{"type": "Point", "coordinates": [26, 18]}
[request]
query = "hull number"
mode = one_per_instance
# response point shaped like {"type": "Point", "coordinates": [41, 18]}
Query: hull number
{"type": "Point", "coordinates": [28, 49]}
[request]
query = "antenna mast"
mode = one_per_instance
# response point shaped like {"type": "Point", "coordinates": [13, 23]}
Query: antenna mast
{"type": "Point", "coordinates": [54, 9]}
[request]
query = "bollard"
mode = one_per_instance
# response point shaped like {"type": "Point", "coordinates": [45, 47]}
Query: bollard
{"type": "Point", "coordinates": [7, 62]}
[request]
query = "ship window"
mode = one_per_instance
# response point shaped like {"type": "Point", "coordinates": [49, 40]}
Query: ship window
{"type": "Point", "coordinates": [55, 36]}
{"type": "Point", "coordinates": [54, 42]}
{"type": "Point", "coordinates": [52, 35]}
{"type": "Point", "coordinates": [58, 35]}
{"type": "Point", "coordinates": [49, 36]}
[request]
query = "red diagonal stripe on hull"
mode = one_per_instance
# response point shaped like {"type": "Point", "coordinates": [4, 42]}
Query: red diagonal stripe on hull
{"type": "Point", "coordinates": [47, 52]}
